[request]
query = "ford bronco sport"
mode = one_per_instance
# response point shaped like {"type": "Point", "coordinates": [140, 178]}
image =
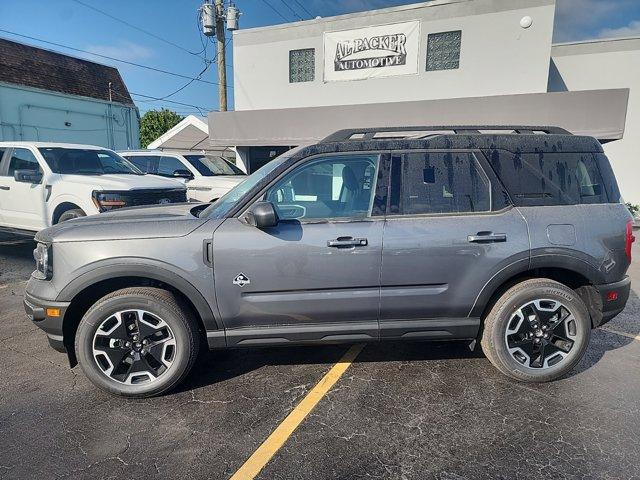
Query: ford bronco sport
{"type": "Point", "coordinates": [514, 236]}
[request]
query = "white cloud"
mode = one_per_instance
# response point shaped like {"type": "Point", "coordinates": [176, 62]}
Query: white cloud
{"type": "Point", "coordinates": [574, 17]}
{"type": "Point", "coordinates": [123, 50]}
{"type": "Point", "coordinates": [631, 30]}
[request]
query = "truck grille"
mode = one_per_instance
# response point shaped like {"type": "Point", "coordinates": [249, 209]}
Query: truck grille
{"type": "Point", "coordinates": [136, 198]}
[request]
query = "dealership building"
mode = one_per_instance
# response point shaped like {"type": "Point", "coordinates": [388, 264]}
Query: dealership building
{"type": "Point", "coordinates": [444, 62]}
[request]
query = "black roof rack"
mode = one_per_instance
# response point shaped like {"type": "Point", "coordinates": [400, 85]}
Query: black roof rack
{"type": "Point", "coordinates": [360, 134]}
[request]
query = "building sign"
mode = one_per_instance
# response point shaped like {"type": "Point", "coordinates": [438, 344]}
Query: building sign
{"type": "Point", "coordinates": [371, 52]}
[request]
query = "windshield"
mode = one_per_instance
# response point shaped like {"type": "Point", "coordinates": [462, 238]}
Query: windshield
{"type": "Point", "coordinates": [78, 161]}
{"type": "Point", "coordinates": [223, 205]}
{"type": "Point", "coordinates": [211, 166]}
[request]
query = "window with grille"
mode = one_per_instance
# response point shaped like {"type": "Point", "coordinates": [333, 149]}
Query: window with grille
{"type": "Point", "coordinates": [443, 50]}
{"type": "Point", "coordinates": [302, 65]}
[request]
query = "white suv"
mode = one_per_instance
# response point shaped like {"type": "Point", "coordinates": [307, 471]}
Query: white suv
{"type": "Point", "coordinates": [42, 184]}
{"type": "Point", "coordinates": [208, 177]}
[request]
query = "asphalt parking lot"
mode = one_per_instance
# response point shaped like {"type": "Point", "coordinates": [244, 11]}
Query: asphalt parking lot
{"type": "Point", "coordinates": [402, 411]}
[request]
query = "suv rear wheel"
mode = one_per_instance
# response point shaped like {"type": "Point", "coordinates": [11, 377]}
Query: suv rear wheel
{"type": "Point", "coordinates": [537, 331]}
{"type": "Point", "coordinates": [137, 342]}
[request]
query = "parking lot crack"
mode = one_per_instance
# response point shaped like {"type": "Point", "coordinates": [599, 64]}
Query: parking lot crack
{"type": "Point", "coordinates": [34, 357]}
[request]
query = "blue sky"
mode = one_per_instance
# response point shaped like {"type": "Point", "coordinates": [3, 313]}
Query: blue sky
{"type": "Point", "coordinates": [70, 23]}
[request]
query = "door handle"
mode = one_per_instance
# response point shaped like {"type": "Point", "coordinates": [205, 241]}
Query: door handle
{"type": "Point", "coordinates": [343, 242]}
{"type": "Point", "coordinates": [487, 237]}
{"type": "Point", "coordinates": [2, 187]}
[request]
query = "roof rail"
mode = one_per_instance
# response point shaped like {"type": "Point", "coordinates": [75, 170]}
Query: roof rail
{"type": "Point", "coordinates": [359, 134]}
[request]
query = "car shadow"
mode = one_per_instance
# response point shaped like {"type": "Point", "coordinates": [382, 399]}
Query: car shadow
{"type": "Point", "coordinates": [221, 365]}
{"type": "Point", "coordinates": [617, 334]}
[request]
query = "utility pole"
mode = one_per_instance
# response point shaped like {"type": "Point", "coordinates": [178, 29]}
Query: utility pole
{"type": "Point", "coordinates": [213, 17]}
{"type": "Point", "coordinates": [222, 63]}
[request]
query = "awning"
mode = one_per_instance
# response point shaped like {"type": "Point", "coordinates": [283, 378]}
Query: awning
{"type": "Point", "coordinates": [192, 133]}
{"type": "Point", "coordinates": [599, 113]}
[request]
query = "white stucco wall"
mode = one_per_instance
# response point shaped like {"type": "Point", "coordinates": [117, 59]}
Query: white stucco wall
{"type": "Point", "coordinates": [607, 64]}
{"type": "Point", "coordinates": [497, 56]}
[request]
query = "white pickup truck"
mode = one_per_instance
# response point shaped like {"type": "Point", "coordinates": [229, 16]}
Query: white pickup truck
{"type": "Point", "coordinates": [207, 177]}
{"type": "Point", "coordinates": [42, 184]}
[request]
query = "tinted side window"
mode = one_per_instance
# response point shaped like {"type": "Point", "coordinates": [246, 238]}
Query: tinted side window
{"type": "Point", "coordinates": [538, 179]}
{"type": "Point", "coordinates": [2, 164]}
{"type": "Point", "coordinates": [168, 165]}
{"type": "Point", "coordinates": [22, 159]}
{"type": "Point", "coordinates": [608, 178]}
{"type": "Point", "coordinates": [144, 163]}
{"type": "Point", "coordinates": [340, 186]}
{"type": "Point", "coordinates": [450, 182]}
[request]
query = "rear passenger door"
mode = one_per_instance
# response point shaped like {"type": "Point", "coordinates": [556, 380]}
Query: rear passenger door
{"type": "Point", "coordinates": [449, 229]}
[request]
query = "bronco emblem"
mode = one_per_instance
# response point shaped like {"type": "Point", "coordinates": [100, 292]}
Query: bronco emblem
{"type": "Point", "coordinates": [241, 280]}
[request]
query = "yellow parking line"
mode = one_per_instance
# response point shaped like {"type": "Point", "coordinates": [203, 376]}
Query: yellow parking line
{"type": "Point", "coordinates": [272, 444]}
{"type": "Point", "coordinates": [618, 332]}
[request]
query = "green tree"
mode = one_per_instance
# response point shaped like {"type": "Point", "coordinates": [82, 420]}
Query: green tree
{"type": "Point", "coordinates": [156, 122]}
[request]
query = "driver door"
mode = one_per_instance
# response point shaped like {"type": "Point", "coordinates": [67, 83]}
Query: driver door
{"type": "Point", "coordinates": [22, 204]}
{"type": "Point", "coordinates": [316, 275]}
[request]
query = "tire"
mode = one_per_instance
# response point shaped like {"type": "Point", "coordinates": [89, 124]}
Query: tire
{"type": "Point", "coordinates": [71, 214]}
{"type": "Point", "coordinates": [172, 348]}
{"type": "Point", "coordinates": [507, 340]}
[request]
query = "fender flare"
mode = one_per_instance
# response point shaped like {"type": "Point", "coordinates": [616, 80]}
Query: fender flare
{"type": "Point", "coordinates": [147, 270]}
{"type": "Point", "coordinates": [563, 260]}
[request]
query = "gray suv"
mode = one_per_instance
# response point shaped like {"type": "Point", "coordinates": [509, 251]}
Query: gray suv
{"type": "Point", "coordinates": [512, 236]}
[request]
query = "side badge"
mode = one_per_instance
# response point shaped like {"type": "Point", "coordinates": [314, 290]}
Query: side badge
{"type": "Point", "coordinates": [241, 280]}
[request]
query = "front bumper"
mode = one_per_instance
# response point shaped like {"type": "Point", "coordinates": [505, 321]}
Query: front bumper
{"type": "Point", "coordinates": [40, 310]}
{"type": "Point", "coordinates": [614, 297]}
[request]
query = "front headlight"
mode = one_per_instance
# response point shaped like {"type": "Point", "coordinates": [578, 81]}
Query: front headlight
{"type": "Point", "coordinates": [44, 261]}
{"type": "Point", "coordinates": [108, 201]}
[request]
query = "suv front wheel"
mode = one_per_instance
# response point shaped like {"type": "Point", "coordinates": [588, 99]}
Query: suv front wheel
{"type": "Point", "coordinates": [71, 214]}
{"type": "Point", "coordinates": [537, 331]}
{"type": "Point", "coordinates": [137, 342]}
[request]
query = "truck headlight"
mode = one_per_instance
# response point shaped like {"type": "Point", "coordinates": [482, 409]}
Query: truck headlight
{"type": "Point", "coordinates": [44, 261]}
{"type": "Point", "coordinates": [107, 200]}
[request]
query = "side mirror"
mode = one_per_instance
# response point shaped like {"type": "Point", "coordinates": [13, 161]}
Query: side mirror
{"type": "Point", "coordinates": [180, 173]}
{"type": "Point", "coordinates": [262, 215]}
{"type": "Point", "coordinates": [27, 176]}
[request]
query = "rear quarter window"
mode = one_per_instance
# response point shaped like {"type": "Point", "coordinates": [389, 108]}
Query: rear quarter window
{"type": "Point", "coordinates": [544, 179]}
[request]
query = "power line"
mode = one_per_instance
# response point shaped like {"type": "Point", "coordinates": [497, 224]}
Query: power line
{"type": "Point", "coordinates": [304, 8]}
{"type": "Point", "coordinates": [200, 109]}
{"type": "Point", "coordinates": [295, 14]}
{"type": "Point", "coordinates": [276, 10]}
{"type": "Point", "coordinates": [135, 27]}
{"type": "Point", "coordinates": [186, 84]}
{"type": "Point", "coordinates": [208, 64]}
{"type": "Point", "coordinates": [147, 67]}
{"type": "Point", "coordinates": [122, 94]}
{"type": "Point", "coordinates": [151, 98]}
